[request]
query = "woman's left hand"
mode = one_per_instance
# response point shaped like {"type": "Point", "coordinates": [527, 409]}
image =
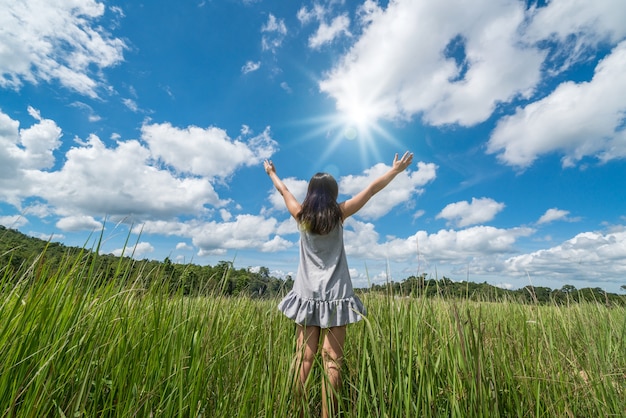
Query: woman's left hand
{"type": "Point", "coordinates": [269, 166]}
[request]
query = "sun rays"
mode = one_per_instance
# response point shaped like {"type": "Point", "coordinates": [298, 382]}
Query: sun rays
{"type": "Point", "coordinates": [355, 129]}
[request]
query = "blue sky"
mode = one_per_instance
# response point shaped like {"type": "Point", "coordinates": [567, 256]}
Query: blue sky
{"type": "Point", "coordinates": [150, 121]}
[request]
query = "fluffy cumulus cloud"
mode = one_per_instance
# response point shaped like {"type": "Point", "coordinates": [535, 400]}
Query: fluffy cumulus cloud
{"type": "Point", "coordinates": [78, 223]}
{"type": "Point", "coordinates": [38, 142]}
{"type": "Point", "coordinates": [577, 120]}
{"type": "Point", "coordinates": [445, 246]}
{"type": "Point", "coordinates": [297, 187]}
{"type": "Point", "coordinates": [102, 181]}
{"type": "Point", "coordinates": [56, 41]}
{"type": "Point", "coordinates": [168, 173]}
{"type": "Point", "coordinates": [205, 152]}
{"type": "Point", "coordinates": [139, 250]}
{"type": "Point", "coordinates": [402, 189]}
{"type": "Point", "coordinates": [464, 213]}
{"type": "Point", "coordinates": [588, 256]}
{"type": "Point", "coordinates": [244, 231]}
{"type": "Point", "coordinates": [453, 66]}
{"type": "Point", "coordinates": [13, 221]}
{"type": "Point", "coordinates": [459, 63]}
{"type": "Point", "coordinates": [476, 241]}
{"type": "Point", "coordinates": [23, 151]}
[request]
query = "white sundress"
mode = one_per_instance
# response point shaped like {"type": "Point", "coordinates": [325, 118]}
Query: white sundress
{"type": "Point", "coordinates": [322, 293]}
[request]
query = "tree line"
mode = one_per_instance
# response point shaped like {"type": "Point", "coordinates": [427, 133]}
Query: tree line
{"type": "Point", "coordinates": [19, 252]}
{"type": "Point", "coordinates": [422, 285]}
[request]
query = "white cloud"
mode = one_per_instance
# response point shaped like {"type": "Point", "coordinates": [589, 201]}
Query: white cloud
{"type": "Point", "coordinates": [400, 69]}
{"type": "Point", "coordinates": [183, 246]}
{"type": "Point", "coordinates": [38, 142]}
{"type": "Point", "coordinates": [22, 150]}
{"type": "Point", "coordinates": [13, 221]}
{"type": "Point", "coordinates": [38, 209]}
{"type": "Point", "coordinates": [206, 152]}
{"type": "Point", "coordinates": [326, 33]}
{"type": "Point", "coordinates": [78, 223]}
{"type": "Point", "coordinates": [305, 15]}
{"type": "Point", "coordinates": [274, 25]}
{"type": "Point", "coordinates": [288, 226]}
{"type": "Point", "coordinates": [250, 67]}
{"type": "Point", "coordinates": [100, 181]}
{"type": "Point", "coordinates": [507, 286]}
{"type": "Point", "coordinates": [577, 25]}
{"type": "Point", "coordinates": [243, 232]}
{"type": "Point", "coordinates": [91, 115]}
{"type": "Point", "coordinates": [274, 32]}
{"type": "Point", "coordinates": [167, 227]}
{"type": "Point", "coordinates": [245, 130]}
{"type": "Point", "coordinates": [171, 174]}
{"type": "Point", "coordinates": [406, 185]}
{"type": "Point", "coordinates": [131, 104]}
{"type": "Point", "coordinates": [403, 66]}
{"type": "Point", "coordinates": [226, 215]}
{"type": "Point", "coordinates": [476, 241]}
{"type": "Point", "coordinates": [56, 41]}
{"type": "Point", "coordinates": [10, 152]}
{"type": "Point", "coordinates": [276, 244]}
{"type": "Point", "coordinates": [464, 213]}
{"type": "Point", "coordinates": [445, 246]}
{"type": "Point", "coordinates": [285, 86]}
{"type": "Point", "coordinates": [552, 215]}
{"type": "Point", "coordinates": [587, 256]}
{"type": "Point", "coordinates": [138, 251]}
{"type": "Point", "coordinates": [47, 237]}
{"type": "Point", "coordinates": [329, 28]}
{"type": "Point", "coordinates": [419, 214]}
{"type": "Point", "coordinates": [578, 120]}
{"type": "Point", "coordinates": [297, 188]}
{"type": "Point", "coordinates": [368, 12]}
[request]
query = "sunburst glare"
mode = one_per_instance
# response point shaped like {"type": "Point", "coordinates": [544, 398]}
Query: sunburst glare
{"type": "Point", "coordinates": [358, 126]}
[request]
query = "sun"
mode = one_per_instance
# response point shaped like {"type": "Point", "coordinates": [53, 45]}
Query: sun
{"type": "Point", "coordinates": [359, 120]}
{"type": "Point", "coordinates": [357, 123]}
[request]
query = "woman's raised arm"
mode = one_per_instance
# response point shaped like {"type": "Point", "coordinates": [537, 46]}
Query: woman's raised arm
{"type": "Point", "coordinates": [293, 206]}
{"type": "Point", "coordinates": [354, 204]}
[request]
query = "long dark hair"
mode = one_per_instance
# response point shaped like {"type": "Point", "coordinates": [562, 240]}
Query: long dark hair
{"type": "Point", "coordinates": [320, 211]}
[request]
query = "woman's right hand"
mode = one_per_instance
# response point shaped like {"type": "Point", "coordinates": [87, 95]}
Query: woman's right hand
{"type": "Point", "coordinates": [402, 164]}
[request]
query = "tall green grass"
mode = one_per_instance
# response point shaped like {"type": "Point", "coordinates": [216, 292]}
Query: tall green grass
{"type": "Point", "coordinates": [75, 344]}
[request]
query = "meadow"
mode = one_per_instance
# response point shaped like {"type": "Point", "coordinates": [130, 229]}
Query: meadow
{"type": "Point", "coordinates": [73, 345]}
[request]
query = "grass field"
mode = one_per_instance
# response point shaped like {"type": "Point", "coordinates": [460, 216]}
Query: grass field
{"type": "Point", "coordinates": [71, 349]}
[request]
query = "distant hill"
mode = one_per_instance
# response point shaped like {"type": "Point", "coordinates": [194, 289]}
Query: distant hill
{"type": "Point", "coordinates": [19, 251]}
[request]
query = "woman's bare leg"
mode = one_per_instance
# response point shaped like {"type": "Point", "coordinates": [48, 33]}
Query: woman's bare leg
{"type": "Point", "coordinates": [332, 354]}
{"type": "Point", "coordinates": [307, 342]}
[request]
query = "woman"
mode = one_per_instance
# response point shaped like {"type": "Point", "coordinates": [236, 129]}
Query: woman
{"type": "Point", "coordinates": [322, 301]}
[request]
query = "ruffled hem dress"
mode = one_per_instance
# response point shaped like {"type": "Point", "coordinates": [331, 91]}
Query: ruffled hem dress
{"type": "Point", "coordinates": [322, 293]}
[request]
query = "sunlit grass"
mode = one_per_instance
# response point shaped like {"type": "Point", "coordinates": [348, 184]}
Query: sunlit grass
{"type": "Point", "coordinates": [73, 346]}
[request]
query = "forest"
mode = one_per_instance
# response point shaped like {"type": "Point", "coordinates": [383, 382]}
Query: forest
{"type": "Point", "coordinates": [19, 251]}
